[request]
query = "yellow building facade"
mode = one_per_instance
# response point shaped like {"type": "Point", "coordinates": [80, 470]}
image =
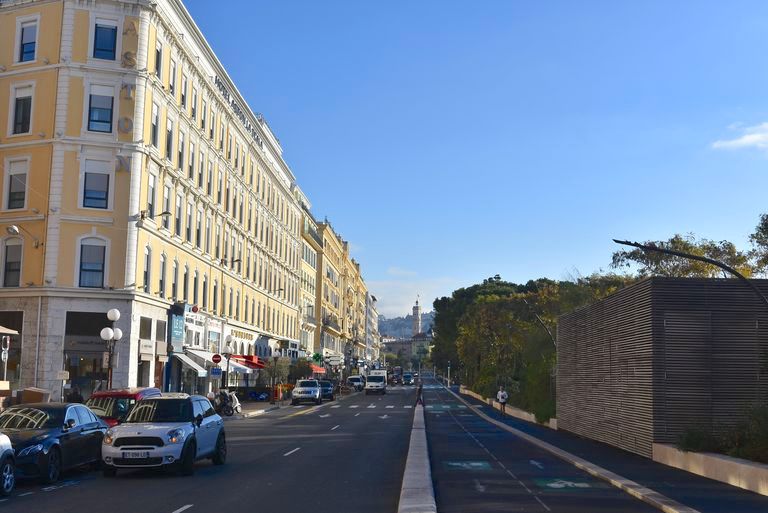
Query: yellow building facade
{"type": "Point", "coordinates": [136, 177]}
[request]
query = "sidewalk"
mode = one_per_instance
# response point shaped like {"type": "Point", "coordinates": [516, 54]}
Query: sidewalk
{"type": "Point", "coordinates": [702, 494]}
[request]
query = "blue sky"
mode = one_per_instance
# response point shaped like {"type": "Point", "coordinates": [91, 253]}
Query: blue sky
{"type": "Point", "coordinates": [450, 141]}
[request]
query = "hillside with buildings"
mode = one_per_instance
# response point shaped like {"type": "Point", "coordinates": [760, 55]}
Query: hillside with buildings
{"type": "Point", "coordinates": [402, 327]}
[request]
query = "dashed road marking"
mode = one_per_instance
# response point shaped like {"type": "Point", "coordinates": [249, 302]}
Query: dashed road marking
{"type": "Point", "coordinates": [407, 406]}
{"type": "Point", "coordinates": [336, 406]}
{"type": "Point", "coordinates": [183, 508]}
{"type": "Point", "coordinates": [356, 414]}
{"type": "Point", "coordinates": [334, 428]}
{"type": "Point", "coordinates": [389, 406]}
{"type": "Point", "coordinates": [371, 406]}
{"type": "Point", "coordinates": [30, 493]}
{"type": "Point", "coordinates": [288, 453]}
{"type": "Point", "coordinates": [354, 406]}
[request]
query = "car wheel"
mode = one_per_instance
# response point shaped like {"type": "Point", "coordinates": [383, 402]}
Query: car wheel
{"type": "Point", "coordinates": [7, 477]}
{"type": "Point", "coordinates": [220, 453]}
{"type": "Point", "coordinates": [109, 471]}
{"type": "Point", "coordinates": [187, 462]}
{"type": "Point", "coordinates": [52, 470]}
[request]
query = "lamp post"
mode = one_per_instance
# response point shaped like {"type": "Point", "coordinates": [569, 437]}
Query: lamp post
{"type": "Point", "coordinates": [110, 335]}
{"type": "Point", "coordinates": [228, 350]}
{"type": "Point", "coordinates": [274, 377]}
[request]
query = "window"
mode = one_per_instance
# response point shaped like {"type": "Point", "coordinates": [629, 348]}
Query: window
{"type": "Point", "coordinates": [215, 295]}
{"type": "Point", "coordinates": [209, 184]}
{"type": "Point", "coordinates": [199, 230]}
{"type": "Point", "coordinates": [166, 206]}
{"type": "Point", "coordinates": [191, 170]}
{"type": "Point", "coordinates": [216, 242]}
{"type": "Point", "coordinates": [145, 328]}
{"type": "Point", "coordinates": [213, 124]}
{"type": "Point", "coordinates": [219, 188]}
{"type": "Point", "coordinates": [208, 235]}
{"type": "Point", "coordinates": [193, 112]}
{"type": "Point", "coordinates": [92, 262]}
{"type": "Point", "coordinates": [161, 288]}
{"type": "Point", "coordinates": [189, 224]}
{"type": "Point", "coordinates": [177, 218]}
{"type": "Point", "coordinates": [16, 184]}
{"type": "Point", "coordinates": [12, 263]}
{"type": "Point", "coordinates": [105, 41]}
{"type": "Point", "coordinates": [96, 184]}
{"type": "Point", "coordinates": [180, 156]}
{"type": "Point", "coordinates": [151, 196]}
{"type": "Point", "coordinates": [175, 280]}
{"type": "Point", "coordinates": [203, 110]}
{"type": "Point", "coordinates": [159, 60]}
{"type": "Point", "coordinates": [155, 123]}
{"type": "Point", "coordinates": [172, 78]}
{"type": "Point", "coordinates": [22, 109]}
{"type": "Point", "coordinates": [184, 85]}
{"type": "Point", "coordinates": [168, 138]}
{"type": "Point", "coordinates": [147, 270]}
{"type": "Point", "coordinates": [195, 289]}
{"type": "Point", "coordinates": [27, 41]}
{"type": "Point", "coordinates": [201, 171]}
{"type": "Point", "coordinates": [185, 282]}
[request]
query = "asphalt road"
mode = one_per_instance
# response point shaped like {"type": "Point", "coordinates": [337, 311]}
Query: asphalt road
{"type": "Point", "coordinates": [477, 467]}
{"type": "Point", "coordinates": [346, 455]}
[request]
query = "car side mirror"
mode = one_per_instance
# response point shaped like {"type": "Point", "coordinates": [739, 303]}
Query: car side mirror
{"type": "Point", "coordinates": [199, 420]}
{"type": "Point", "coordinates": [69, 424]}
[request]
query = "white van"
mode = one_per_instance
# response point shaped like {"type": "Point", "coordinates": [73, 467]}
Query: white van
{"type": "Point", "coordinates": [376, 382]}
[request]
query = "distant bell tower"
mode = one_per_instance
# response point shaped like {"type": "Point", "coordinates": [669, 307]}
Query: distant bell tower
{"type": "Point", "coordinates": [416, 318]}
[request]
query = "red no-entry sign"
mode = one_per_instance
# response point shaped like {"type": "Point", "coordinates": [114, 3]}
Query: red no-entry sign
{"type": "Point", "coordinates": [216, 358]}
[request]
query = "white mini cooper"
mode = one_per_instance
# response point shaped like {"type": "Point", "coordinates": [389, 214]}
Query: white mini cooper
{"type": "Point", "coordinates": [172, 431]}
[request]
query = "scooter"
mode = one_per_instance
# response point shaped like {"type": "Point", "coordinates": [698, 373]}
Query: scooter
{"type": "Point", "coordinates": [235, 403]}
{"type": "Point", "coordinates": [223, 404]}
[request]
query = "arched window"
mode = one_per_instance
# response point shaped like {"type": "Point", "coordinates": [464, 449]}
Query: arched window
{"type": "Point", "coordinates": [185, 283]}
{"type": "Point", "coordinates": [175, 281]}
{"type": "Point", "coordinates": [92, 262]}
{"type": "Point", "coordinates": [12, 262]}
{"type": "Point", "coordinates": [231, 296]}
{"type": "Point", "coordinates": [195, 283]}
{"type": "Point", "coordinates": [205, 292]}
{"type": "Point", "coordinates": [161, 288]}
{"type": "Point", "coordinates": [237, 306]}
{"type": "Point", "coordinates": [215, 295]}
{"type": "Point", "coordinates": [147, 270]}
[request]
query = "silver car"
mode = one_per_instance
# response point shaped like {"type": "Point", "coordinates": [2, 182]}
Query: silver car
{"type": "Point", "coordinates": [7, 466]}
{"type": "Point", "coordinates": [307, 390]}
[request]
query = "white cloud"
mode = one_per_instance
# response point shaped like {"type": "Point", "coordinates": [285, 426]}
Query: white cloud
{"type": "Point", "coordinates": [396, 297]}
{"type": "Point", "coordinates": [399, 272]}
{"type": "Point", "coordinates": [751, 137]}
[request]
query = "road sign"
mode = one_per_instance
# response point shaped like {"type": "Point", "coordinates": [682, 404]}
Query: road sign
{"type": "Point", "coordinates": [215, 372]}
{"type": "Point", "coordinates": [216, 358]}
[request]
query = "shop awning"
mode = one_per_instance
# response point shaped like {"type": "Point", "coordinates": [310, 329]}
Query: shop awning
{"type": "Point", "coordinates": [233, 365]}
{"type": "Point", "coordinates": [187, 361]}
{"type": "Point", "coordinates": [317, 369]}
{"type": "Point", "coordinates": [250, 360]}
{"type": "Point", "coordinates": [7, 331]}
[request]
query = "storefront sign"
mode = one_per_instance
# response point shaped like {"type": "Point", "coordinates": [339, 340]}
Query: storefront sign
{"type": "Point", "coordinates": [177, 333]}
{"type": "Point", "coordinates": [146, 346]}
{"type": "Point", "coordinates": [242, 334]}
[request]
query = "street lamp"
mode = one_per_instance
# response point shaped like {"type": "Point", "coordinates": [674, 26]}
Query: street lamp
{"type": "Point", "coordinates": [110, 335]}
{"type": "Point", "coordinates": [228, 351]}
{"type": "Point", "coordinates": [274, 377]}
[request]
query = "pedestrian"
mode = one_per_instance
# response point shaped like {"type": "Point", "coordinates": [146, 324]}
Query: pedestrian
{"type": "Point", "coordinates": [420, 394]}
{"type": "Point", "coordinates": [502, 397]}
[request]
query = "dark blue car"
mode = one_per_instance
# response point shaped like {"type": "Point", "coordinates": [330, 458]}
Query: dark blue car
{"type": "Point", "coordinates": [49, 438]}
{"type": "Point", "coordinates": [326, 390]}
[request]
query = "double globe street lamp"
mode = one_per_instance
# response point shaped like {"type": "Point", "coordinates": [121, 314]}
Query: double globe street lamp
{"type": "Point", "coordinates": [227, 352]}
{"type": "Point", "coordinates": [110, 335]}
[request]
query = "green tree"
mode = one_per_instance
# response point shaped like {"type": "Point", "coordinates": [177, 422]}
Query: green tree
{"type": "Point", "coordinates": [300, 370]}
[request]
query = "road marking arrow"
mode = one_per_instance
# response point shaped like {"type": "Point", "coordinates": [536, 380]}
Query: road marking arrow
{"type": "Point", "coordinates": [536, 464]}
{"type": "Point", "coordinates": [384, 416]}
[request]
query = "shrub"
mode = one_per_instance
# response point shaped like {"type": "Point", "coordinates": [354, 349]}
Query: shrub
{"type": "Point", "coordinates": [699, 440]}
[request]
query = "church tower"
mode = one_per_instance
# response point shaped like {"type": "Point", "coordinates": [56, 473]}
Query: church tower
{"type": "Point", "coordinates": [416, 318]}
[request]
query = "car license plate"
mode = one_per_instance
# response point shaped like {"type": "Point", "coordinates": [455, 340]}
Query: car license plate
{"type": "Point", "coordinates": [135, 454]}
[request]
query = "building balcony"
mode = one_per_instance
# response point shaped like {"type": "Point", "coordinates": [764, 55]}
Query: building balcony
{"type": "Point", "coordinates": [309, 230]}
{"type": "Point", "coordinates": [309, 319]}
{"type": "Point", "coordinates": [330, 321]}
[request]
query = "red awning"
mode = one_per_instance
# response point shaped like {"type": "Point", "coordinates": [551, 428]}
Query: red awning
{"type": "Point", "coordinates": [317, 369]}
{"type": "Point", "coordinates": [249, 360]}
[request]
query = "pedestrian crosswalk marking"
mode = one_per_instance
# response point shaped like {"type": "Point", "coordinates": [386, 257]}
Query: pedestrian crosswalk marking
{"type": "Point", "coordinates": [390, 406]}
{"type": "Point", "coordinates": [408, 406]}
{"type": "Point", "coordinates": [371, 406]}
{"type": "Point", "coordinates": [335, 406]}
{"type": "Point", "coordinates": [354, 406]}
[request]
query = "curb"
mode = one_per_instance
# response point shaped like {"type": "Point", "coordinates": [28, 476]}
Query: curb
{"type": "Point", "coordinates": [416, 493]}
{"type": "Point", "coordinates": [634, 489]}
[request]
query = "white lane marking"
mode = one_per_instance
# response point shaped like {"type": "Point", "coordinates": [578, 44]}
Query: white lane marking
{"type": "Point", "coordinates": [324, 416]}
{"type": "Point", "coordinates": [297, 406]}
{"type": "Point", "coordinates": [290, 452]}
{"type": "Point", "coordinates": [526, 488]}
{"type": "Point", "coordinates": [383, 416]}
{"type": "Point", "coordinates": [356, 414]}
{"type": "Point", "coordinates": [28, 493]}
{"type": "Point", "coordinates": [371, 406]}
{"type": "Point", "coordinates": [335, 427]}
{"type": "Point", "coordinates": [336, 406]}
{"type": "Point", "coordinates": [183, 508]}
{"type": "Point", "coordinates": [354, 406]}
{"type": "Point", "coordinates": [390, 406]}
{"type": "Point", "coordinates": [536, 464]}
{"type": "Point", "coordinates": [479, 487]}
{"type": "Point", "coordinates": [407, 406]}
{"type": "Point", "coordinates": [542, 503]}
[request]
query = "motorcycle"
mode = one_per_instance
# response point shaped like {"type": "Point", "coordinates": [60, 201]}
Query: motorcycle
{"type": "Point", "coordinates": [223, 404]}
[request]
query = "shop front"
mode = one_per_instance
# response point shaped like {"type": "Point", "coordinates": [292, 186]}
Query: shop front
{"type": "Point", "coordinates": [85, 354]}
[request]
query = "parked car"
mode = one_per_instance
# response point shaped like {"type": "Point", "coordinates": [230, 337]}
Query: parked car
{"type": "Point", "coordinates": [171, 431]}
{"type": "Point", "coordinates": [306, 390]}
{"type": "Point", "coordinates": [114, 405]}
{"type": "Point", "coordinates": [49, 438]}
{"type": "Point", "coordinates": [356, 382]}
{"type": "Point", "coordinates": [407, 379]}
{"type": "Point", "coordinates": [326, 390]}
{"type": "Point", "coordinates": [7, 466]}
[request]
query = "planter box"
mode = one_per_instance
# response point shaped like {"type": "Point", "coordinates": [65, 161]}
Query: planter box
{"type": "Point", "coordinates": [734, 471]}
